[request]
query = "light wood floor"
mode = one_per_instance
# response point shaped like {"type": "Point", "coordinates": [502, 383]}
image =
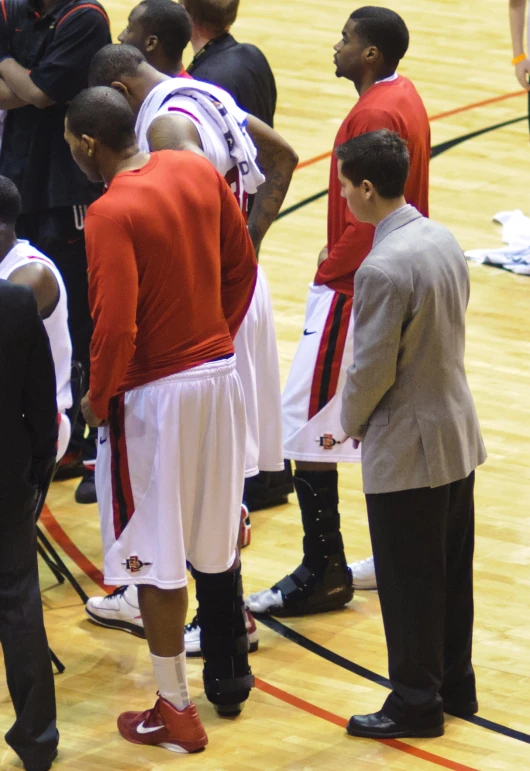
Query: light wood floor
{"type": "Point", "coordinates": [459, 55]}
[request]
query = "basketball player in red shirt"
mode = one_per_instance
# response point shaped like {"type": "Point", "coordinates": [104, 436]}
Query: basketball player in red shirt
{"type": "Point", "coordinates": [172, 272]}
{"type": "Point", "coordinates": [373, 42]}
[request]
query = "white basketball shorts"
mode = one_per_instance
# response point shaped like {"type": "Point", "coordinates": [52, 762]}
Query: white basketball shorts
{"type": "Point", "coordinates": [65, 430]}
{"type": "Point", "coordinates": [257, 366]}
{"type": "Point", "coordinates": [312, 398]}
{"type": "Point", "coordinates": [169, 477]}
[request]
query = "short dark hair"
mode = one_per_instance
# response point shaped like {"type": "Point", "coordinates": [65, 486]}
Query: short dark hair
{"type": "Point", "coordinates": [381, 157]}
{"type": "Point", "coordinates": [10, 202]}
{"type": "Point", "coordinates": [170, 22]}
{"type": "Point", "coordinates": [384, 29]}
{"type": "Point", "coordinates": [114, 62]}
{"type": "Point", "coordinates": [103, 114]}
{"type": "Point", "coordinates": [214, 15]}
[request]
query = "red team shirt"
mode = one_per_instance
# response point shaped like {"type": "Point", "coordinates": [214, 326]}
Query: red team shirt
{"type": "Point", "coordinates": [171, 273]}
{"type": "Point", "coordinates": [395, 105]}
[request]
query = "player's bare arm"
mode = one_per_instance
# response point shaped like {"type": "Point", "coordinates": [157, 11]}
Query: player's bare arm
{"type": "Point", "coordinates": [174, 132]}
{"type": "Point", "coordinates": [8, 99]}
{"type": "Point", "coordinates": [41, 280]}
{"type": "Point", "coordinates": [324, 254]}
{"type": "Point", "coordinates": [277, 161]}
{"type": "Point", "coordinates": [518, 28]}
{"type": "Point", "coordinates": [20, 83]}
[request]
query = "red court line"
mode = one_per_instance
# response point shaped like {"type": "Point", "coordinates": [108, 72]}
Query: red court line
{"type": "Point", "coordinates": [439, 116]}
{"type": "Point", "coordinates": [77, 556]}
{"type": "Point", "coordinates": [312, 709]}
{"type": "Point", "coordinates": [69, 547]}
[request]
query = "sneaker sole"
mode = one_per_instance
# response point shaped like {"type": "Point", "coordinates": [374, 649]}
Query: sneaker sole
{"type": "Point", "coordinates": [195, 654]}
{"type": "Point", "coordinates": [307, 610]}
{"type": "Point", "coordinates": [123, 626]}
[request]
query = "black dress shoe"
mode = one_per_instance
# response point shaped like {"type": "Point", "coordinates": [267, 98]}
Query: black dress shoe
{"type": "Point", "coordinates": [461, 710]}
{"type": "Point", "coordinates": [379, 726]}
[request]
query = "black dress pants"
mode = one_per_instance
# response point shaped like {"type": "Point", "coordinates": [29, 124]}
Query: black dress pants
{"type": "Point", "coordinates": [34, 735]}
{"type": "Point", "coordinates": [423, 543]}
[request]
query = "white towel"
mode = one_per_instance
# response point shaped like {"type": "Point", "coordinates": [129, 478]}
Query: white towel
{"type": "Point", "coordinates": [221, 108]}
{"type": "Point", "coordinates": [514, 257]}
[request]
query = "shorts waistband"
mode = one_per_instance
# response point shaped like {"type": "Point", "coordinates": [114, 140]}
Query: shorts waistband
{"type": "Point", "coordinates": [218, 368]}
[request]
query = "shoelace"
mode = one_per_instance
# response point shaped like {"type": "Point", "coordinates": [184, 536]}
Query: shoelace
{"type": "Point", "coordinates": [119, 592]}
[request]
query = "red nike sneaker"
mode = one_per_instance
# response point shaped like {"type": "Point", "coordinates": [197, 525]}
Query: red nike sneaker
{"type": "Point", "coordinates": [165, 726]}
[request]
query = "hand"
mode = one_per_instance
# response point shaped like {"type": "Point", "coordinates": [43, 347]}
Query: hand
{"type": "Point", "coordinates": [322, 256]}
{"type": "Point", "coordinates": [522, 70]}
{"type": "Point", "coordinates": [89, 415]}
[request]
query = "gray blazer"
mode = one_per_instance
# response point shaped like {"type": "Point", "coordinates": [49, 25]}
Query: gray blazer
{"type": "Point", "coordinates": [406, 394]}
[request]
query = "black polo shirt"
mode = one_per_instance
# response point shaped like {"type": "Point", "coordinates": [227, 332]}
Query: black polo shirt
{"type": "Point", "coordinates": [57, 48]}
{"type": "Point", "coordinates": [242, 70]}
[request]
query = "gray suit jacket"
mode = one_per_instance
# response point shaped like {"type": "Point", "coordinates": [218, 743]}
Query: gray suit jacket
{"type": "Point", "coordinates": [407, 394]}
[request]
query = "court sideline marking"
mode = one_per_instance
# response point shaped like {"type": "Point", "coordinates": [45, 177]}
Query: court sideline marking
{"type": "Point", "coordinates": [435, 151]}
{"type": "Point", "coordinates": [63, 540]}
{"type": "Point", "coordinates": [438, 116]}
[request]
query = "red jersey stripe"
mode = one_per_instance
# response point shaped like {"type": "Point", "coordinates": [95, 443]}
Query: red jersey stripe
{"type": "Point", "coordinates": [122, 496]}
{"type": "Point", "coordinates": [80, 8]}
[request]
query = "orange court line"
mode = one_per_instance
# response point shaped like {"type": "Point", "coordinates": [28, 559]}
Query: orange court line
{"type": "Point", "coordinates": [396, 744]}
{"type": "Point", "coordinates": [77, 556]}
{"type": "Point", "coordinates": [439, 116]}
{"type": "Point", "coordinates": [69, 547]}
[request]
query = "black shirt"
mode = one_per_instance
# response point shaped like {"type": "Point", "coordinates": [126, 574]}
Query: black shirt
{"type": "Point", "coordinates": [242, 70]}
{"type": "Point", "coordinates": [58, 48]}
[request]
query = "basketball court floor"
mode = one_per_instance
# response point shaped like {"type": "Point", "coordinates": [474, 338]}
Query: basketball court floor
{"type": "Point", "coordinates": [313, 673]}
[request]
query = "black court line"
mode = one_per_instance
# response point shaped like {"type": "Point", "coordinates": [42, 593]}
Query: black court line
{"type": "Point", "coordinates": [435, 151]}
{"type": "Point", "coordinates": [334, 658]}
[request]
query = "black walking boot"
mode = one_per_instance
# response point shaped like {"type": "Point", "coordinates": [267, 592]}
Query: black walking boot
{"type": "Point", "coordinates": [323, 581]}
{"type": "Point", "coordinates": [227, 676]}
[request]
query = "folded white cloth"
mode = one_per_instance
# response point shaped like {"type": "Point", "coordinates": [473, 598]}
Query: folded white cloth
{"type": "Point", "coordinates": [514, 257]}
{"type": "Point", "coordinates": [221, 108]}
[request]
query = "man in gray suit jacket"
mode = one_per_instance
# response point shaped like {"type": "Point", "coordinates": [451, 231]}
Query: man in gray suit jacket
{"type": "Point", "coordinates": [408, 401]}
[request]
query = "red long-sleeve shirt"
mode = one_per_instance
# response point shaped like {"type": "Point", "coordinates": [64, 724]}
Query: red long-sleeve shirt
{"type": "Point", "coordinates": [394, 105]}
{"type": "Point", "coordinates": [171, 273]}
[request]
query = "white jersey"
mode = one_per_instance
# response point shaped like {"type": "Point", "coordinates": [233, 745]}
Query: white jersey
{"type": "Point", "coordinates": [56, 324]}
{"type": "Point", "coordinates": [213, 144]}
{"type": "Point", "coordinates": [229, 148]}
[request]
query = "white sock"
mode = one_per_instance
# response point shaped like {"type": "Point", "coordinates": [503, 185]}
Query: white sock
{"type": "Point", "coordinates": [170, 673]}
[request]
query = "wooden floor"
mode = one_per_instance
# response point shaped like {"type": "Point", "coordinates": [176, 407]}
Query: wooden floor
{"type": "Point", "coordinates": [459, 56]}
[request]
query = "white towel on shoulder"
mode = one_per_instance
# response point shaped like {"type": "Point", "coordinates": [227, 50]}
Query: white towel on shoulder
{"type": "Point", "coordinates": [222, 108]}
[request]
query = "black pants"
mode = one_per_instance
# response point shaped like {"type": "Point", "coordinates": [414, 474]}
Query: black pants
{"type": "Point", "coordinates": [423, 542]}
{"type": "Point", "coordinates": [34, 735]}
{"type": "Point", "coordinates": [60, 235]}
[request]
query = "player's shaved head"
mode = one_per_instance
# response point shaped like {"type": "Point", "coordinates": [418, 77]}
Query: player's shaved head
{"type": "Point", "coordinates": [102, 114]}
{"type": "Point", "coordinates": [10, 203]}
{"type": "Point", "coordinates": [215, 16]}
{"type": "Point", "coordinates": [113, 63]}
{"type": "Point", "coordinates": [384, 29]}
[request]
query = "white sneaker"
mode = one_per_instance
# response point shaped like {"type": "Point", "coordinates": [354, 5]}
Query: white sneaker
{"type": "Point", "coordinates": [119, 610]}
{"type": "Point", "coordinates": [363, 573]}
{"type": "Point", "coordinates": [192, 635]}
{"type": "Point", "coordinates": [264, 601]}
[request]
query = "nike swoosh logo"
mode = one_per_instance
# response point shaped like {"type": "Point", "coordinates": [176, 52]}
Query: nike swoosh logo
{"type": "Point", "coordinates": [309, 333]}
{"type": "Point", "coordinates": [141, 729]}
{"type": "Point", "coordinates": [102, 441]}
